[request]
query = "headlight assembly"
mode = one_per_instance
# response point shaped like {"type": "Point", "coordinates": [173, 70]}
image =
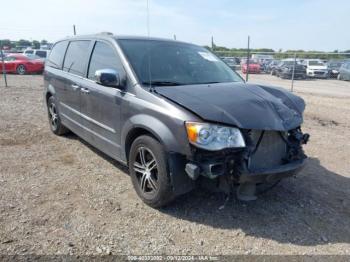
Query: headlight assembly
{"type": "Point", "coordinates": [214, 137]}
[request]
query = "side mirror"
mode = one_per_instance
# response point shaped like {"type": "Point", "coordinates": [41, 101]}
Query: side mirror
{"type": "Point", "coordinates": [107, 77]}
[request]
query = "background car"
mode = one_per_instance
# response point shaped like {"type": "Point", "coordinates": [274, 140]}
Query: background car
{"type": "Point", "coordinates": [253, 67]}
{"type": "Point", "coordinates": [232, 63]}
{"type": "Point", "coordinates": [344, 71]}
{"type": "Point", "coordinates": [21, 64]}
{"type": "Point", "coordinates": [333, 68]}
{"type": "Point", "coordinates": [285, 69]}
{"type": "Point", "coordinates": [41, 53]}
{"type": "Point", "coordinates": [271, 66]}
{"type": "Point", "coordinates": [316, 68]}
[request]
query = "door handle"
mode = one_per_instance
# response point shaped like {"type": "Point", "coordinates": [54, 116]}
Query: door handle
{"type": "Point", "coordinates": [85, 90]}
{"type": "Point", "coordinates": [75, 87]}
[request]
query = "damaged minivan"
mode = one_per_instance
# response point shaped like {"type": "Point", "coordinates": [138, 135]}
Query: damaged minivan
{"type": "Point", "coordinates": [175, 114]}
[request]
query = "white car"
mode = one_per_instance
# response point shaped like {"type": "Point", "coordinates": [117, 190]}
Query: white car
{"type": "Point", "coordinates": [316, 68]}
{"type": "Point", "coordinates": [38, 52]}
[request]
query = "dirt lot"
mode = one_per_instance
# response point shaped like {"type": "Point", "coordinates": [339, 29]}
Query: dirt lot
{"type": "Point", "coordinates": [61, 196]}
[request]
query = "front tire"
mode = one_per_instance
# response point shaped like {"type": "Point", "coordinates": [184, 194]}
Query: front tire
{"type": "Point", "coordinates": [149, 172]}
{"type": "Point", "coordinates": [21, 69]}
{"type": "Point", "coordinates": [54, 118]}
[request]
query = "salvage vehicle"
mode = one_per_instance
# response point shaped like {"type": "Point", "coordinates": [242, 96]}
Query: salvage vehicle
{"type": "Point", "coordinates": [285, 70]}
{"type": "Point", "coordinates": [174, 113]}
{"type": "Point", "coordinates": [252, 66]}
{"type": "Point", "coordinates": [270, 68]}
{"type": "Point", "coordinates": [334, 67]}
{"type": "Point", "coordinates": [231, 62]}
{"type": "Point", "coordinates": [38, 52]}
{"type": "Point", "coordinates": [21, 64]}
{"type": "Point", "coordinates": [344, 71]}
{"type": "Point", "coordinates": [316, 68]}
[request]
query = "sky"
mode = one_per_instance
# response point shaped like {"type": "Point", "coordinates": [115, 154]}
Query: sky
{"type": "Point", "coordinates": [279, 24]}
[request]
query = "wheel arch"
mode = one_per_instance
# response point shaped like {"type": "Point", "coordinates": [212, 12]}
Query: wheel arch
{"type": "Point", "coordinates": [50, 91]}
{"type": "Point", "coordinates": [147, 125]}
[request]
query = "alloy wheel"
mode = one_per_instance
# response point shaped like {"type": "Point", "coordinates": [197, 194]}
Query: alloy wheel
{"type": "Point", "coordinates": [53, 116]}
{"type": "Point", "coordinates": [145, 167]}
{"type": "Point", "coordinates": [21, 69]}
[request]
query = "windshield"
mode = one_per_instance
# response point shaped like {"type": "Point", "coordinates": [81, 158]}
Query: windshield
{"type": "Point", "coordinates": [172, 63]}
{"type": "Point", "coordinates": [251, 61]}
{"type": "Point", "coordinates": [335, 64]}
{"type": "Point", "coordinates": [229, 60]}
{"type": "Point", "coordinates": [316, 63]}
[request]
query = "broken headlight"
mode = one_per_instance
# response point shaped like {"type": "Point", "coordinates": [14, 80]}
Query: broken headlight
{"type": "Point", "coordinates": [213, 137]}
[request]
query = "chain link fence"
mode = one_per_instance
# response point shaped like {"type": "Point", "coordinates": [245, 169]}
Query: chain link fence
{"type": "Point", "coordinates": [290, 65]}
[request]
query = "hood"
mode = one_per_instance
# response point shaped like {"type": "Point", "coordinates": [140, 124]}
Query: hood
{"type": "Point", "coordinates": [318, 67]}
{"type": "Point", "coordinates": [242, 105]}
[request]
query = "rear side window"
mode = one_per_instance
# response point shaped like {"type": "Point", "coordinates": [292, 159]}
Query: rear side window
{"type": "Point", "coordinates": [104, 57]}
{"type": "Point", "coordinates": [57, 54]}
{"type": "Point", "coordinates": [41, 53]}
{"type": "Point", "coordinates": [76, 57]}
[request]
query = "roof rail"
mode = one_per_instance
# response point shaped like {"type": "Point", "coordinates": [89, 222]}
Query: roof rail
{"type": "Point", "coordinates": [105, 33]}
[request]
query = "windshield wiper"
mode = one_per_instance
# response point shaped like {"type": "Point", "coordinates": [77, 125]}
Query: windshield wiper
{"type": "Point", "coordinates": [162, 83]}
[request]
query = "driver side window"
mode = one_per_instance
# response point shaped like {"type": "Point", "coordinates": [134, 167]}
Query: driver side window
{"type": "Point", "coordinates": [104, 57]}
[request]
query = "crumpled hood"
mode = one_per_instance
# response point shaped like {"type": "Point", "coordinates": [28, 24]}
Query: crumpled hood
{"type": "Point", "coordinates": [242, 105]}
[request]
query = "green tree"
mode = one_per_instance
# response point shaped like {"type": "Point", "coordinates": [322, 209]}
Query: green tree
{"type": "Point", "coordinates": [43, 42]}
{"type": "Point", "coordinates": [36, 44]}
{"type": "Point", "coordinates": [23, 43]}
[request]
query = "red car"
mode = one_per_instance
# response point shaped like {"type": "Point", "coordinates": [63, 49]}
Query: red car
{"type": "Point", "coordinates": [254, 66]}
{"type": "Point", "coordinates": [21, 64]}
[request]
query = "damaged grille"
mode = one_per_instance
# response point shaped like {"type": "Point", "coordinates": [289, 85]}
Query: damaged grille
{"type": "Point", "coordinates": [269, 152]}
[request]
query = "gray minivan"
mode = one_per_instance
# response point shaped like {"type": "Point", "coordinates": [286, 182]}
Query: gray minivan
{"type": "Point", "coordinates": [174, 113]}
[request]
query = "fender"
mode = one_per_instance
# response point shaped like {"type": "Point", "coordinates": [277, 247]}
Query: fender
{"type": "Point", "coordinates": [153, 125]}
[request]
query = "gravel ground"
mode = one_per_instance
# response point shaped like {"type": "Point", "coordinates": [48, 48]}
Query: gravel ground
{"type": "Point", "coordinates": [61, 196]}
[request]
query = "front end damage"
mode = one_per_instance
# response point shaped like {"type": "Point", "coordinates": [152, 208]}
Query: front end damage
{"type": "Point", "coordinates": [268, 157]}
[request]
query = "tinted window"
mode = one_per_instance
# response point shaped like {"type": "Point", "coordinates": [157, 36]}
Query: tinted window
{"type": "Point", "coordinates": [104, 57]}
{"type": "Point", "coordinates": [29, 52]}
{"type": "Point", "coordinates": [76, 55]}
{"type": "Point", "coordinates": [175, 63]}
{"type": "Point", "coordinates": [41, 53]}
{"type": "Point", "coordinates": [57, 54]}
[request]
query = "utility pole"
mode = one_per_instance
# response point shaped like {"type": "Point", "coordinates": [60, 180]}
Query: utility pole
{"type": "Point", "coordinates": [295, 61]}
{"type": "Point", "coordinates": [74, 31]}
{"type": "Point", "coordinates": [248, 55]}
{"type": "Point", "coordinates": [212, 43]}
{"type": "Point", "coordinates": [3, 64]}
{"type": "Point", "coordinates": [174, 37]}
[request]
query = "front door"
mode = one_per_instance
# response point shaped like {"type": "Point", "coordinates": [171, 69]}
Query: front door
{"type": "Point", "coordinates": [101, 105]}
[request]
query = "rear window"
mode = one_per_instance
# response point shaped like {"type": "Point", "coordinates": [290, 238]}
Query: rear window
{"type": "Point", "coordinates": [29, 52]}
{"type": "Point", "coordinates": [57, 54]}
{"type": "Point", "coordinates": [41, 53]}
{"type": "Point", "coordinates": [76, 57]}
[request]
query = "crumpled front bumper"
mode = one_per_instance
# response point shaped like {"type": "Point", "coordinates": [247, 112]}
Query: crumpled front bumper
{"type": "Point", "coordinates": [273, 174]}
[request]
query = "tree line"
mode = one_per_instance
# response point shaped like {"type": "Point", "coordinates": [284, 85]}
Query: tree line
{"type": "Point", "coordinates": [279, 54]}
{"type": "Point", "coordinates": [23, 43]}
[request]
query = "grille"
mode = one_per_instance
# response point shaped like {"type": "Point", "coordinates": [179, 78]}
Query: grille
{"type": "Point", "coordinates": [271, 151]}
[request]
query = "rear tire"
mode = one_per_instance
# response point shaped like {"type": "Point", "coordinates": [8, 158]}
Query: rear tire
{"type": "Point", "coordinates": [54, 118]}
{"type": "Point", "coordinates": [21, 69]}
{"type": "Point", "coordinates": [149, 172]}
